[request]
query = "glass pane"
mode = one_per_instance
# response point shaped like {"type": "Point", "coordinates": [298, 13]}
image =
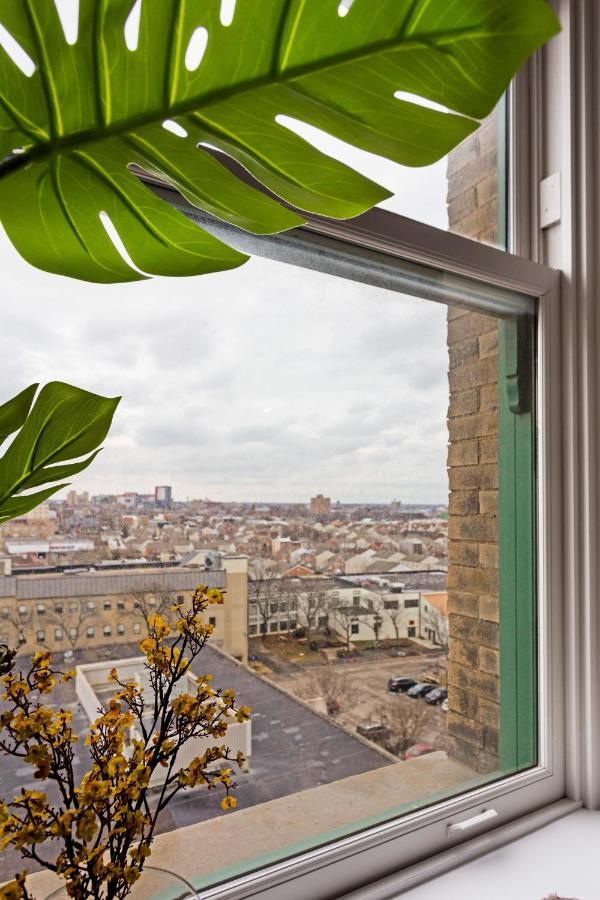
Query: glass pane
{"type": "Point", "coordinates": [328, 452]}
{"type": "Point", "coordinates": [465, 192]}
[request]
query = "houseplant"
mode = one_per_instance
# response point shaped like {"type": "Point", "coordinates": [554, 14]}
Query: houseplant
{"type": "Point", "coordinates": [101, 828]}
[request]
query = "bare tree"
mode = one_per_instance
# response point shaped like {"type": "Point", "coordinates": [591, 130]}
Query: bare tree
{"type": "Point", "coordinates": [392, 610]}
{"type": "Point", "coordinates": [375, 619]}
{"type": "Point", "coordinates": [343, 618]}
{"type": "Point", "coordinates": [332, 687]}
{"type": "Point", "coordinates": [310, 601]}
{"type": "Point", "coordinates": [70, 616]}
{"type": "Point", "coordinates": [409, 721]}
{"type": "Point", "coordinates": [263, 591]}
{"type": "Point", "coordinates": [20, 619]}
{"type": "Point", "coordinates": [148, 603]}
{"type": "Point", "coordinates": [439, 624]}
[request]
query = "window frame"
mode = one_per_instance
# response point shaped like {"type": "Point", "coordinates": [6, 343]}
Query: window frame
{"type": "Point", "coordinates": [366, 855]}
{"type": "Point", "coordinates": [526, 799]}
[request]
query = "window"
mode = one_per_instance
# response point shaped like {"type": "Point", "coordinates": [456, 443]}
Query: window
{"type": "Point", "coordinates": [120, 605]}
{"type": "Point", "coordinates": [41, 609]}
{"type": "Point", "coordinates": [107, 631]}
{"type": "Point", "coordinates": [381, 310]}
{"type": "Point", "coordinates": [4, 638]}
{"type": "Point", "coordinates": [74, 607]}
{"type": "Point", "coordinates": [180, 598]}
{"type": "Point", "coordinates": [91, 605]}
{"type": "Point", "coordinates": [58, 634]}
{"type": "Point", "coordinates": [40, 636]}
{"type": "Point", "coordinates": [120, 628]}
{"type": "Point", "coordinates": [58, 608]}
{"type": "Point", "coordinates": [90, 631]}
{"type": "Point", "coordinates": [212, 620]}
{"type": "Point", "coordinates": [73, 634]}
{"type": "Point", "coordinates": [107, 604]}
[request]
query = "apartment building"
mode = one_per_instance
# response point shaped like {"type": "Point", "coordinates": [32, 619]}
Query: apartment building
{"type": "Point", "coordinates": [95, 609]}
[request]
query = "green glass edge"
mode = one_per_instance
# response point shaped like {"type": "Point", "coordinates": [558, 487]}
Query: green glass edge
{"type": "Point", "coordinates": [517, 562]}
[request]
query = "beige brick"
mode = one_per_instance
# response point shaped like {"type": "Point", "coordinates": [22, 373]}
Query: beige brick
{"type": "Point", "coordinates": [488, 343]}
{"type": "Point", "coordinates": [463, 453]}
{"type": "Point", "coordinates": [489, 660]}
{"type": "Point", "coordinates": [488, 713]}
{"type": "Point", "coordinates": [465, 153]}
{"type": "Point", "coordinates": [473, 580]}
{"type": "Point", "coordinates": [486, 190]}
{"type": "Point", "coordinates": [488, 607]}
{"type": "Point", "coordinates": [488, 556]}
{"type": "Point", "coordinates": [463, 628]}
{"type": "Point", "coordinates": [481, 219]}
{"type": "Point", "coordinates": [462, 205]}
{"type": "Point", "coordinates": [465, 553]}
{"type": "Point", "coordinates": [471, 325]}
{"type": "Point", "coordinates": [485, 685]}
{"type": "Point", "coordinates": [479, 425]}
{"type": "Point", "coordinates": [488, 503]}
{"type": "Point", "coordinates": [463, 603]}
{"type": "Point", "coordinates": [467, 654]}
{"type": "Point", "coordinates": [462, 403]}
{"type": "Point", "coordinates": [484, 371]}
{"type": "Point", "coordinates": [471, 173]}
{"type": "Point", "coordinates": [472, 528]}
{"type": "Point", "coordinates": [488, 449]}
{"type": "Point", "coordinates": [463, 353]}
{"type": "Point", "coordinates": [489, 634]}
{"type": "Point", "coordinates": [466, 729]}
{"type": "Point", "coordinates": [488, 397]}
{"type": "Point", "coordinates": [455, 312]}
{"type": "Point", "coordinates": [469, 477]}
{"type": "Point", "coordinates": [463, 503]}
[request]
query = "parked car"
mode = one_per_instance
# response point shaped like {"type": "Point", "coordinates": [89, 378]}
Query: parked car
{"type": "Point", "coordinates": [398, 651]}
{"type": "Point", "coordinates": [436, 696]}
{"type": "Point", "coordinates": [445, 705]}
{"type": "Point", "coordinates": [419, 750]}
{"type": "Point", "coordinates": [400, 684]}
{"type": "Point", "coordinates": [420, 689]}
{"type": "Point", "coordinates": [374, 731]}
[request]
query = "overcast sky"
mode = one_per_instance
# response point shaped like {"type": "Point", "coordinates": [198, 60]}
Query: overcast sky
{"type": "Point", "coordinates": [265, 383]}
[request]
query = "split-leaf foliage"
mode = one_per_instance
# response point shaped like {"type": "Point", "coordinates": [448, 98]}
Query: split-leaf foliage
{"type": "Point", "coordinates": [57, 437]}
{"type": "Point", "coordinates": [71, 131]}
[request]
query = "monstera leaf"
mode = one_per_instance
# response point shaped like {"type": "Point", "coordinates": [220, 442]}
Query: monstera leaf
{"type": "Point", "coordinates": [75, 115]}
{"type": "Point", "coordinates": [66, 423]}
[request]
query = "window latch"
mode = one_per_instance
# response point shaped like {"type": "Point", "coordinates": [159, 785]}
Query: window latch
{"type": "Point", "coordinates": [473, 822]}
{"type": "Point", "coordinates": [518, 342]}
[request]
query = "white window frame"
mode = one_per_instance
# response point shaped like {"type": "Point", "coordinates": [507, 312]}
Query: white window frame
{"type": "Point", "coordinates": [418, 846]}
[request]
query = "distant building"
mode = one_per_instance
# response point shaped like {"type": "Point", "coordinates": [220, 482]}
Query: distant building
{"type": "Point", "coordinates": [98, 609]}
{"type": "Point", "coordinates": [163, 495]}
{"type": "Point", "coordinates": [320, 506]}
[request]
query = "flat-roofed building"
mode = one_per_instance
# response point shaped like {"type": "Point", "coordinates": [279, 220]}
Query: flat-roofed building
{"type": "Point", "coordinates": [100, 609]}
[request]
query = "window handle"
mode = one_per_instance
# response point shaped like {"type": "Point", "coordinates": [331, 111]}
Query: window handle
{"type": "Point", "coordinates": [473, 822]}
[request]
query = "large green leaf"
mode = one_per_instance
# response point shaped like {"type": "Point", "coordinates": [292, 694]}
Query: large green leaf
{"type": "Point", "coordinates": [66, 423]}
{"type": "Point", "coordinates": [14, 412]}
{"type": "Point", "coordinates": [92, 108]}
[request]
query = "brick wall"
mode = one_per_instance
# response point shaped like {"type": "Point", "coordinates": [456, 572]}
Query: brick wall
{"type": "Point", "coordinates": [473, 686]}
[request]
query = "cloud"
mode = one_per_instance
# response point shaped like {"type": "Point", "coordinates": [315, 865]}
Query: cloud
{"type": "Point", "coordinates": [269, 382]}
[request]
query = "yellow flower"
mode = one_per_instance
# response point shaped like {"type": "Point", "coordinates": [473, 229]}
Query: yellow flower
{"type": "Point", "coordinates": [228, 803]}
